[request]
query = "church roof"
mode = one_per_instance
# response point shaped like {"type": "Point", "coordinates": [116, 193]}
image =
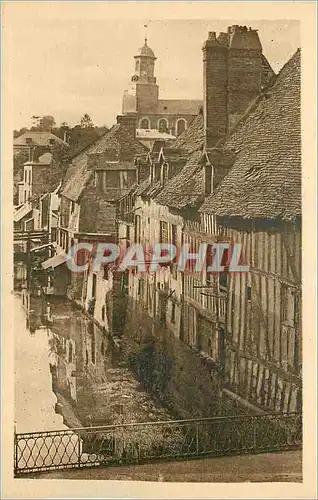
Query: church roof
{"type": "Point", "coordinates": [179, 106]}
{"type": "Point", "coordinates": [146, 51]}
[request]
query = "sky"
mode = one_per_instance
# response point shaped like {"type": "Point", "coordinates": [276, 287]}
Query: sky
{"type": "Point", "coordinates": [66, 67]}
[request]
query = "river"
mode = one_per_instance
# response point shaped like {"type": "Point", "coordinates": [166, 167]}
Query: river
{"type": "Point", "coordinates": [68, 373]}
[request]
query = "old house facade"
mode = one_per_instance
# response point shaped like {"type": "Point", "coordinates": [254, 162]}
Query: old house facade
{"type": "Point", "coordinates": [95, 180]}
{"type": "Point", "coordinates": [241, 98]}
{"type": "Point", "coordinates": [202, 341]}
{"type": "Point", "coordinates": [258, 204]}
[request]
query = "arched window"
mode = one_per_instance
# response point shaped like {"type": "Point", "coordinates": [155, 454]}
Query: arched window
{"type": "Point", "coordinates": [137, 65]}
{"type": "Point", "coordinates": [144, 123]}
{"type": "Point", "coordinates": [181, 125]}
{"type": "Point", "coordinates": [163, 125]}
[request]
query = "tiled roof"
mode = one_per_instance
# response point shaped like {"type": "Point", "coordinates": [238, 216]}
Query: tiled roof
{"type": "Point", "coordinates": [186, 188]}
{"type": "Point", "coordinates": [117, 139]}
{"type": "Point", "coordinates": [179, 106]}
{"type": "Point", "coordinates": [175, 157]}
{"type": "Point", "coordinates": [265, 181]}
{"type": "Point", "coordinates": [193, 137]}
{"type": "Point", "coordinates": [45, 159]}
{"type": "Point", "coordinates": [38, 138]}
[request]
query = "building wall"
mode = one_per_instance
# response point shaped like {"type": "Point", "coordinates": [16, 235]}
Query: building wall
{"type": "Point", "coordinates": [263, 330]}
{"type": "Point", "coordinates": [171, 120]}
{"type": "Point", "coordinates": [44, 179]}
{"type": "Point", "coordinates": [100, 289]}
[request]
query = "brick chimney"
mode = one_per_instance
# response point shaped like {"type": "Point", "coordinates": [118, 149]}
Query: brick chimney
{"type": "Point", "coordinates": [129, 122]}
{"type": "Point", "coordinates": [214, 89]}
{"type": "Point", "coordinates": [244, 70]}
{"type": "Point", "coordinates": [232, 74]}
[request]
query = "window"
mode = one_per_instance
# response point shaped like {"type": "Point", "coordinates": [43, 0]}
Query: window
{"type": "Point", "coordinates": [181, 126]}
{"type": "Point", "coordinates": [249, 293]}
{"type": "Point", "coordinates": [162, 125]}
{"type": "Point", "coordinates": [103, 316]}
{"type": "Point", "coordinates": [173, 312]}
{"type": "Point", "coordinates": [289, 306]}
{"type": "Point", "coordinates": [106, 272]}
{"type": "Point", "coordinates": [174, 234]}
{"type": "Point", "coordinates": [51, 141]}
{"type": "Point", "coordinates": [140, 286]}
{"type": "Point", "coordinates": [112, 179]}
{"type": "Point", "coordinates": [164, 236]}
{"type": "Point", "coordinates": [137, 228]}
{"type": "Point", "coordinates": [70, 352]}
{"type": "Point", "coordinates": [128, 178]}
{"type": "Point", "coordinates": [72, 207]}
{"type": "Point", "coordinates": [94, 284]}
{"type": "Point", "coordinates": [208, 338]}
{"type": "Point", "coordinates": [223, 278]}
{"type": "Point", "coordinates": [144, 123]}
{"type": "Point", "coordinates": [28, 140]}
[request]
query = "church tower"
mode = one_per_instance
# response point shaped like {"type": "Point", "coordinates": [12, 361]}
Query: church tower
{"type": "Point", "coordinates": [141, 97]}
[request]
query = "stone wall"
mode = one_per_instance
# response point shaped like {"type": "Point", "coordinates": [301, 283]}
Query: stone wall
{"type": "Point", "coordinates": [170, 370]}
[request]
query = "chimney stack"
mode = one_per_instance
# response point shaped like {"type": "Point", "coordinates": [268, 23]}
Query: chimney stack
{"type": "Point", "coordinates": [129, 122]}
{"type": "Point", "coordinates": [214, 89]}
{"type": "Point", "coordinates": [244, 70]}
{"type": "Point", "coordinates": [232, 74]}
{"type": "Point", "coordinates": [208, 179]}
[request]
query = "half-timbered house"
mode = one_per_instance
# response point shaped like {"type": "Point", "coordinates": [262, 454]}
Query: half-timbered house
{"type": "Point", "coordinates": [258, 204]}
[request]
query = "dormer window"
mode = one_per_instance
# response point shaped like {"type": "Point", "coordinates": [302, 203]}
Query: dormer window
{"type": "Point", "coordinates": [51, 141]}
{"type": "Point", "coordinates": [28, 140]}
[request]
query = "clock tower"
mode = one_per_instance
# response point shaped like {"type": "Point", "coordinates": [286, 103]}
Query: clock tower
{"type": "Point", "coordinates": [142, 94]}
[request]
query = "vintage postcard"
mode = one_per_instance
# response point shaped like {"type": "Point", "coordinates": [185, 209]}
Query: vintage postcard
{"type": "Point", "coordinates": [159, 249]}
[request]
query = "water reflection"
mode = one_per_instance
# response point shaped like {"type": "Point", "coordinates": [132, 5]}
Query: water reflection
{"type": "Point", "coordinates": [88, 382]}
{"type": "Point", "coordinates": [88, 375]}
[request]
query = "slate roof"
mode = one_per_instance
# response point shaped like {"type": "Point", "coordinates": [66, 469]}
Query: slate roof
{"type": "Point", "coordinates": [45, 159]}
{"type": "Point", "coordinates": [38, 137]}
{"type": "Point", "coordinates": [193, 137]}
{"type": "Point", "coordinates": [265, 181]}
{"type": "Point", "coordinates": [179, 106]}
{"type": "Point", "coordinates": [78, 174]}
{"type": "Point", "coordinates": [175, 157]}
{"type": "Point", "coordinates": [186, 188]}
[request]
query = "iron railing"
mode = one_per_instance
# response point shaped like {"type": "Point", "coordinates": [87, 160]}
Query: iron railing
{"type": "Point", "coordinates": [142, 442]}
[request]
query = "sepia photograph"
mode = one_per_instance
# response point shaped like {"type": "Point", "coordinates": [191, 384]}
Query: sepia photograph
{"type": "Point", "coordinates": [157, 247]}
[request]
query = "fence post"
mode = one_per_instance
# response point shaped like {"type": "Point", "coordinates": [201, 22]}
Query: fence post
{"type": "Point", "coordinates": [15, 451]}
{"type": "Point", "coordinates": [197, 443]}
{"type": "Point", "coordinates": [254, 434]}
{"type": "Point", "coordinates": [79, 450]}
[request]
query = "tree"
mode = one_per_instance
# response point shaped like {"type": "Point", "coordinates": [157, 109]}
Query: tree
{"type": "Point", "coordinates": [17, 133]}
{"type": "Point", "coordinates": [44, 123]}
{"type": "Point", "coordinates": [86, 121]}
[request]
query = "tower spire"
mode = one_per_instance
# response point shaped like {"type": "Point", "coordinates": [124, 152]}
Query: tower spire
{"type": "Point", "coordinates": [146, 39]}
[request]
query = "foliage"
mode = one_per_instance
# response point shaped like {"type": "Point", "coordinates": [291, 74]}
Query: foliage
{"type": "Point", "coordinates": [86, 121]}
{"type": "Point", "coordinates": [17, 133]}
{"type": "Point", "coordinates": [19, 159]}
{"type": "Point", "coordinates": [44, 123]}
